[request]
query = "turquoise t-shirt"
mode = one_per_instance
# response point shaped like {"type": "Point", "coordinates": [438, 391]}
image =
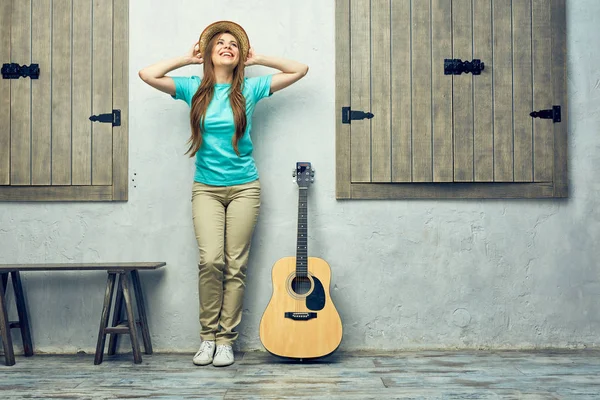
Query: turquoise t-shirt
{"type": "Point", "coordinates": [217, 164]}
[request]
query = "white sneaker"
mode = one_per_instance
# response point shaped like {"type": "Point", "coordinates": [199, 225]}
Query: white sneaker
{"type": "Point", "coordinates": [204, 356]}
{"type": "Point", "coordinates": [223, 356]}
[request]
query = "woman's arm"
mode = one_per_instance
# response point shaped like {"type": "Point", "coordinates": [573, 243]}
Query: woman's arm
{"type": "Point", "coordinates": [291, 71]}
{"type": "Point", "coordinates": [154, 75]}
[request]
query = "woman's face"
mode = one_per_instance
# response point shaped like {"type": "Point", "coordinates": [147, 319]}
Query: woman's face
{"type": "Point", "coordinates": [226, 51]}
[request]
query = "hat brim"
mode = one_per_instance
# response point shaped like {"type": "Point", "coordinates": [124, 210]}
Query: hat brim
{"type": "Point", "coordinates": [225, 26]}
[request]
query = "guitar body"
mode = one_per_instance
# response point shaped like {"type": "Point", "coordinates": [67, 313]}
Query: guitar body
{"type": "Point", "coordinates": [305, 324]}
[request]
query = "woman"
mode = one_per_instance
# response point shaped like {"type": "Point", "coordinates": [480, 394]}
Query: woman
{"type": "Point", "coordinates": [226, 189]}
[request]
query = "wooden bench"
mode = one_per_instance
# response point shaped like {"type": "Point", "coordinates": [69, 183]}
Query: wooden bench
{"type": "Point", "coordinates": [122, 271]}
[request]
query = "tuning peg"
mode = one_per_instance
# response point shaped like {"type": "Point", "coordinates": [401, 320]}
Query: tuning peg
{"type": "Point", "coordinates": [294, 174]}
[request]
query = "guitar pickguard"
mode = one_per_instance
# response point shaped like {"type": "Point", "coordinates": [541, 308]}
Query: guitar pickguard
{"type": "Point", "coordinates": [316, 300]}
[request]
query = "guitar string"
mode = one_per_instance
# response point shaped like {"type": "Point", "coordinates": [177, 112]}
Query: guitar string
{"type": "Point", "coordinates": [302, 281]}
{"type": "Point", "coordinates": [303, 262]}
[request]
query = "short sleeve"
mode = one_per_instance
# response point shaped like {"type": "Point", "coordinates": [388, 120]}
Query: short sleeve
{"type": "Point", "coordinates": [185, 88]}
{"type": "Point", "coordinates": [260, 86]}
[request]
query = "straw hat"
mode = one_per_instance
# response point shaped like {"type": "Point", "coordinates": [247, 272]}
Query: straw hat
{"type": "Point", "coordinates": [225, 26]}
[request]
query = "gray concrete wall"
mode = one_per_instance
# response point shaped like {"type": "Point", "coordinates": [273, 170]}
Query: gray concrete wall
{"type": "Point", "coordinates": [406, 274]}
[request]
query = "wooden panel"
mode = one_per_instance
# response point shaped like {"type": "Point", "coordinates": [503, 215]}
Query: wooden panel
{"type": "Point", "coordinates": [380, 84]}
{"type": "Point", "coordinates": [499, 145]}
{"type": "Point", "coordinates": [360, 65]}
{"type": "Point", "coordinates": [5, 28]}
{"type": "Point", "coordinates": [121, 99]}
{"type": "Point", "coordinates": [56, 193]}
{"type": "Point", "coordinates": [483, 151]}
{"type": "Point", "coordinates": [462, 94]}
{"type": "Point", "coordinates": [82, 92]}
{"type": "Point", "coordinates": [452, 190]}
{"type": "Point", "coordinates": [543, 130]}
{"type": "Point", "coordinates": [61, 92]}
{"type": "Point", "coordinates": [401, 92]}
{"type": "Point", "coordinates": [441, 31]}
{"type": "Point", "coordinates": [523, 91]}
{"type": "Point", "coordinates": [559, 79]}
{"type": "Point", "coordinates": [503, 106]}
{"type": "Point", "coordinates": [342, 97]}
{"type": "Point", "coordinates": [421, 92]}
{"type": "Point", "coordinates": [45, 31]}
{"type": "Point", "coordinates": [102, 92]}
{"type": "Point", "coordinates": [124, 266]}
{"type": "Point", "coordinates": [20, 109]}
{"type": "Point", "coordinates": [41, 134]}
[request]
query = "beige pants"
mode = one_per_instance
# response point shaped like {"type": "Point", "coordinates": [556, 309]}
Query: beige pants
{"type": "Point", "coordinates": [224, 219]}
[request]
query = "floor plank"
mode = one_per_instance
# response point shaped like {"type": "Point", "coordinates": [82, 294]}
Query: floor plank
{"type": "Point", "coordinates": [530, 375]}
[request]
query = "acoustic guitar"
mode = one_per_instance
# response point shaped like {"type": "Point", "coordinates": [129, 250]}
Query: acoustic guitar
{"type": "Point", "coordinates": [300, 320]}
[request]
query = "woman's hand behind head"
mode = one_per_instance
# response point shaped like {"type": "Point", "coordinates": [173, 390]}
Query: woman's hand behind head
{"type": "Point", "coordinates": [194, 55]}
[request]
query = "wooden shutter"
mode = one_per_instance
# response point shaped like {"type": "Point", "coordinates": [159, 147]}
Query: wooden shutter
{"type": "Point", "coordinates": [49, 148]}
{"type": "Point", "coordinates": [435, 135]}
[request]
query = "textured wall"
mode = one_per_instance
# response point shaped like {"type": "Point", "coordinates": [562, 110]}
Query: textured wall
{"type": "Point", "coordinates": [406, 274]}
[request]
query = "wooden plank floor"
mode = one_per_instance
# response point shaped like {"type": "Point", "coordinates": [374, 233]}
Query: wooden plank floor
{"type": "Point", "coordinates": [257, 375]}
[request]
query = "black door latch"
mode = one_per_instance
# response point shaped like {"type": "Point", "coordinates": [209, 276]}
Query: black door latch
{"type": "Point", "coordinates": [456, 66]}
{"type": "Point", "coordinates": [16, 71]}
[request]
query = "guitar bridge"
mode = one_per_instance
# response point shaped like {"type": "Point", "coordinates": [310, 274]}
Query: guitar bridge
{"type": "Point", "coordinates": [301, 316]}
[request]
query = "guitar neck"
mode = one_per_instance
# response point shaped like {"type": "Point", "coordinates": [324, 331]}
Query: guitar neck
{"type": "Point", "coordinates": [302, 238]}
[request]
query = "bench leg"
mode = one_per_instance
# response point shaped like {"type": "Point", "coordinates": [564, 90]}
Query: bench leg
{"type": "Point", "coordinates": [9, 354]}
{"type": "Point", "coordinates": [22, 312]}
{"type": "Point", "coordinates": [139, 297]}
{"type": "Point", "coordinates": [117, 312]}
{"type": "Point", "coordinates": [110, 285]}
{"type": "Point", "coordinates": [137, 356]}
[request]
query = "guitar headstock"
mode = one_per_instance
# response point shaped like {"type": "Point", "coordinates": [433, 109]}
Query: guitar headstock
{"type": "Point", "coordinates": [304, 174]}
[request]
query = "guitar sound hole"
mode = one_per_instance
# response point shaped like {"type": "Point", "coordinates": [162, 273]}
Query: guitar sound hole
{"type": "Point", "coordinates": [301, 285]}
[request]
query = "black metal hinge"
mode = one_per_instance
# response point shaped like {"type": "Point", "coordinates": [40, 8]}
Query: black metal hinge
{"type": "Point", "coordinates": [349, 115]}
{"type": "Point", "coordinates": [16, 71]}
{"type": "Point", "coordinates": [553, 114]}
{"type": "Point", "coordinates": [114, 118]}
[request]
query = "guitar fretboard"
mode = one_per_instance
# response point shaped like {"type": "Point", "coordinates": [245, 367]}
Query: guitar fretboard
{"type": "Point", "coordinates": [302, 241]}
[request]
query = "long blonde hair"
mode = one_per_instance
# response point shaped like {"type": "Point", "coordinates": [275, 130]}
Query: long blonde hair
{"type": "Point", "coordinates": [204, 95]}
